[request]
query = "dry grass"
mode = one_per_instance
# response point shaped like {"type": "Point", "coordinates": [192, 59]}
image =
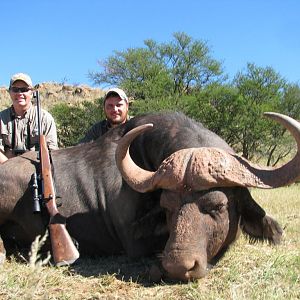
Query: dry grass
{"type": "Point", "coordinates": [247, 271]}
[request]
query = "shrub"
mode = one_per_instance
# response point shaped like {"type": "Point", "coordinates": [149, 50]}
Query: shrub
{"type": "Point", "coordinates": [73, 121]}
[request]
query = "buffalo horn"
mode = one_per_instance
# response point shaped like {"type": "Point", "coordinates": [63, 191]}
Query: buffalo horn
{"type": "Point", "coordinates": [202, 168]}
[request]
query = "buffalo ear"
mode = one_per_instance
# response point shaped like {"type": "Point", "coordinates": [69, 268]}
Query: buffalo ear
{"type": "Point", "coordinates": [145, 232]}
{"type": "Point", "coordinates": [152, 224]}
{"type": "Point", "coordinates": [247, 207]}
{"type": "Point", "coordinates": [254, 221]}
{"type": "Point", "coordinates": [161, 229]}
{"type": "Point", "coordinates": [265, 229]}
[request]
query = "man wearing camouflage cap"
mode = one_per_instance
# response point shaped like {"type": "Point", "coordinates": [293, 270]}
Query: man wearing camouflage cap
{"type": "Point", "coordinates": [115, 105]}
{"type": "Point", "coordinates": [18, 123]}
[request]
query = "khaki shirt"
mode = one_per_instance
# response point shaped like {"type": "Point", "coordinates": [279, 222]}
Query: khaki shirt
{"type": "Point", "coordinates": [21, 134]}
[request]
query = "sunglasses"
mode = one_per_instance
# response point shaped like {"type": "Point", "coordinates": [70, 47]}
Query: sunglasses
{"type": "Point", "coordinates": [19, 90]}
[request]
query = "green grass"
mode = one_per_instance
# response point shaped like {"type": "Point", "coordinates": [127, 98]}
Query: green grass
{"type": "Point", "coordinates": [247, 271]}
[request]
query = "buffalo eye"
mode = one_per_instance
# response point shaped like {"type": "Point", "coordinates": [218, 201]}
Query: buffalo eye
{"type": "Point", "coordinates": [214, 210]}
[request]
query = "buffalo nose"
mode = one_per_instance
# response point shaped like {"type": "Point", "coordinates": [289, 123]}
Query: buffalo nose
{"type": "Point", "coordinates": [185, 268]}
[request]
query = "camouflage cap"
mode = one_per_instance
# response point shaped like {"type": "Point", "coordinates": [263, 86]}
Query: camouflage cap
{"type": "Point", "coordinates": [21, 76]}
{"type": "Point", "coordinates": [118, 91]}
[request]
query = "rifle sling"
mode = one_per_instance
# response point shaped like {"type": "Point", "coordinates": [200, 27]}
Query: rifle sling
{"type": "Point", "coordinates": [58, 219]}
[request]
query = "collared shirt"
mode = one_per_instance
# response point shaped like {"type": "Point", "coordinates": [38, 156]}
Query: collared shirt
{"type": "Point", "coordinates": [21, 133]}
{"type": "Point", "coordinates": [97, 130]}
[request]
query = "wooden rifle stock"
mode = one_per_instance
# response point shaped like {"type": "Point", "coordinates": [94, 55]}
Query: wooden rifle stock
{"type": "Point", "coordinates": [63, 249]}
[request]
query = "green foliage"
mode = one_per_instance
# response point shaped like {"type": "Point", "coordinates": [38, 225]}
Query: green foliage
{"type": "Point", "coordinates": [160, 70]}
{"type": "Point", "coordinates": [215, 106]}
{"type": "Point", "coordinates": [235, 112]}
{"type": "Point", "coordinates": [74, 120]}
{"type": "Point", "coordinates": [155, 105]}
{"type": "Point", "coordinates": [259, 90]}
{"type": "Point", "coordinates": [280, 144]}
{"type": "Point", "coordinates": [290, 104]}
{"type": "Point", "coordinates": [188, 62]}
{"type": "Point", "coordinates": [137, 71]}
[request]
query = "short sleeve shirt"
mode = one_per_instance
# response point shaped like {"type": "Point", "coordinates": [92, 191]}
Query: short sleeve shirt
{"type": "Point", "coordinates": [18, 133]}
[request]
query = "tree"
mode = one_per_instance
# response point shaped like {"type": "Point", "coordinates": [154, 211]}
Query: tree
{"type": "Point", "coordinates": [235, 112]}
{"type": "Point", "coordinates": [281, 143]}
{"type": "Point", "coordinates": [160, 70]}
{"type": "Point", "coordinates": [290, 104]}
{"type": "Point", "coordinates": [135, 70]}
{"type": "Point", "coordinates": [260, 89]}
{"type": "Point", "coordinates": [188, 62]}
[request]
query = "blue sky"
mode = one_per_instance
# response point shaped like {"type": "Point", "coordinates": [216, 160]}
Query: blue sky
{"type": "Point", "coordinates": [62, 40]}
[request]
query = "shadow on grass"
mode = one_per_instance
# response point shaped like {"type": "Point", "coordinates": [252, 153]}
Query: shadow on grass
{"type": "Point", "coordinates": [145, 271]}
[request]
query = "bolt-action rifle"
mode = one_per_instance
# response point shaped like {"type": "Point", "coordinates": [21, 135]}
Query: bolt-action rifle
{"type": "Point", "coordinates": [63, 249]}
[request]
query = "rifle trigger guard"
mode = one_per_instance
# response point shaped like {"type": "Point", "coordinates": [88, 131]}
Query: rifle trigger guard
{"type": "Point", "coordinates": [45, 200]}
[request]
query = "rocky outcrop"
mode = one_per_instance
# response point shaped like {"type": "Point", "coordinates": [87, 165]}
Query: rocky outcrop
{"type": "Point", "coordinates": [52, 93]}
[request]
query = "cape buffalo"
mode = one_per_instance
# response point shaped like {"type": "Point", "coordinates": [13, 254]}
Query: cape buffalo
{"type": "Point", "coordinates": [188, 223]}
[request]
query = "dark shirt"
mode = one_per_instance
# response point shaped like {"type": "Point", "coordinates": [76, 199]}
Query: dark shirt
{"type": "Point", "coordinates": [95, 131]}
